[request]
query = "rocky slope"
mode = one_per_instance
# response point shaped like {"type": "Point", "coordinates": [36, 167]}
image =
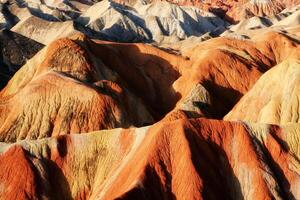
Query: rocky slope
{"type": "Point", "coordinates": [200, 110]}
{"type": "Point", "coordinates": [273, 99]}
{"type": "Point", "coordinates": [183, 159]}
{"type": "Point", "coordinates": [247, 9]}
{"type": "Point", "coordinates": [134, 21]}
{"type": "Point", "coordinates": [45, 107]}
{"type": "Point", "coordinates": [237, 10]}
{"type": "Point", "coordinates": [148, 22]}
{"type": "Point", "coordinates": [47, 21]}
{"type": "Point", "coordinates": [119, 85]}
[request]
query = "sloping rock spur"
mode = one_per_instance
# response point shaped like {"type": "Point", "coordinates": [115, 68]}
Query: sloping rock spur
{"type": "Point", "coordinates": [273, 99]}
{"type": "Point", "coordinates": [62, 90]}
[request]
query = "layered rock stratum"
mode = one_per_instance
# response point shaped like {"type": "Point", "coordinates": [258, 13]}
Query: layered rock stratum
{"type": "Point", "coordinates": [149, 100]}
{"type": "Point", "coordinates": [182, 159]}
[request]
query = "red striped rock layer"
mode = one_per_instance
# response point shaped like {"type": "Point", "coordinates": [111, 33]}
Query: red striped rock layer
{"type": "Point", "coordinates": [182, 159]}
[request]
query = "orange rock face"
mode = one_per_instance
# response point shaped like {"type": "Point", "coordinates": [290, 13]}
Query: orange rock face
{"type": "Point", "coordinates": [274, 97]}
{"type": "Point", "coordinates": [228, 68]}
{"type": "Point", "coordinates": [60, 91]}
{"type": "Point", "coordinates": [183, 159]}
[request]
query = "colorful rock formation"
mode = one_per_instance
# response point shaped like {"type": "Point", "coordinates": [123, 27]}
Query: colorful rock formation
{"type": "Point", "coordinates": [182, 159]}
{"type": "Point", "coordinates": [197, 110]}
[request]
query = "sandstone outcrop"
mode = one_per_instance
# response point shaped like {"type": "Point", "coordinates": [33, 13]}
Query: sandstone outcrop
{"type": "Point", "coordinates": [153, 22]}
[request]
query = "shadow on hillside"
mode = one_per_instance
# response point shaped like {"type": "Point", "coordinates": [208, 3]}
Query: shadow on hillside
{"type": "Point", "coordinates": [60, 187]}
{"type": "Point", "coordinates": [153, 188]}
{"type": "Point", "coordinates": [15, 50]}
{"type": "Point", "coordinates": [223, 99]}
{"type": "Point", "coordinates": [148, 76]}
{"type": "Point", "coordinates": [276, 169]}
{"type": "Point", "coordinates": [49, 178]}
{"type": "Point", "coordinates": [213, 167]}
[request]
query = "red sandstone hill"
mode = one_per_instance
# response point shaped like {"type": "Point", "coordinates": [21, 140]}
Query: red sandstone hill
{"type": "Point", "coordinates": [64, 90]}
{"type": "Point", "coordinates": [183, 159]}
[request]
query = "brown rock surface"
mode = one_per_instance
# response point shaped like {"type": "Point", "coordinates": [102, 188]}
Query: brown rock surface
{"type": "Point", "coordinates": [246, 9]}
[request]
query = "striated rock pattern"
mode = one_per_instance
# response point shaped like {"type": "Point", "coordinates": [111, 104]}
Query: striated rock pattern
{"type": "Point", "coordinates": [135, 20]}
{"type": "Point", "coordinates": [228, 68]}
{"type": "Point", "coordinates": [274, 98]}
{"type": "Point", "coordinates": [45, 21]}
{"type": "Point", "coordinates": [200, 110]}
{"type": "Point", "coordinates": [153, 22]}
{"type": "Point", "coordinates": [61, 90]}
{"type": "Point", "coordinates": [44, 31]}
{"type": "Point", "coordinates": [247, 9]}
{"type": "Point", "coordinates": [183, 159]}
{"type": "Point", "coordinates": [237, 10]}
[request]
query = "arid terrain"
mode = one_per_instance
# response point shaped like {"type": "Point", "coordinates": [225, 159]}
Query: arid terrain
{"type": "Point", "coordinates": [149, 99]}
